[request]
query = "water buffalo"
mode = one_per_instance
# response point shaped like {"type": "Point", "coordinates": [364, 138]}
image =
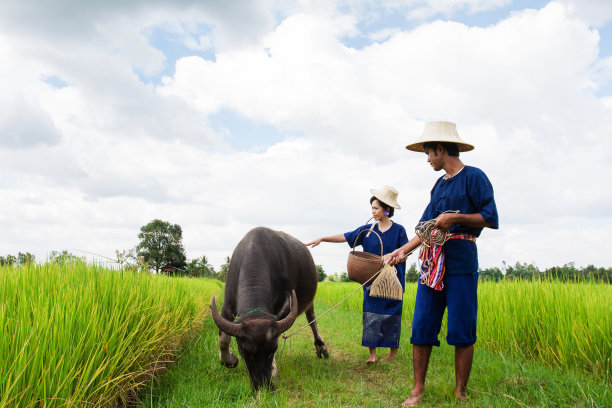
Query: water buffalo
{"type": "Point", "coordinates": [271, 280]}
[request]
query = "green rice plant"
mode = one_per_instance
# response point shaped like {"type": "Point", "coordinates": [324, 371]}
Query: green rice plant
{"type": "Point", "coordinates": [75, 335]}
{"type": "Point", "coordinates": [560, 323]}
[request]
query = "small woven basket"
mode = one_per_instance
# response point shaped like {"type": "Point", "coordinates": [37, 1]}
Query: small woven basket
{"type": "Point", "coordinates": [362, 266]}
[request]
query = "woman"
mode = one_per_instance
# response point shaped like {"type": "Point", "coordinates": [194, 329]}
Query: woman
{"type": "Point", "coordinates": [381, 317]}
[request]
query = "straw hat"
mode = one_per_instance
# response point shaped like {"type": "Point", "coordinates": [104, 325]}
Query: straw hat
{"type": "Point", "coordinates": [440, 131]}
{"type": "Point", "coordinates": [387, 195]}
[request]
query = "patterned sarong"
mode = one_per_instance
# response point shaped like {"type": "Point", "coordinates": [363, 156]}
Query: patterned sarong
{"type": "Point", "coordinates": [432, 262]}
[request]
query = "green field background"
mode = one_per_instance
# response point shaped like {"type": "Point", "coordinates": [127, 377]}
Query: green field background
{"type": "Point", "coordinates": [80, 335]}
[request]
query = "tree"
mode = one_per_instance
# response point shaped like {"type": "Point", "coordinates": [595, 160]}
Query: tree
{"type": "Point", "coordinates": [320, 273]}
{"type": "Point", "coordinates": [25, 259]}
{"type": "Point", "coordinates": [200, 267]}
{"type": "Point", "coordinates": [222, 275]}
{"type": "Point", "coordinates": [491, 274]}
{"type": "Point", "coordinates": [65, 257]}
{"type": "Point", "coordinates": [161, 247]}
{"type": "Point", "coordinates": [412, 274]}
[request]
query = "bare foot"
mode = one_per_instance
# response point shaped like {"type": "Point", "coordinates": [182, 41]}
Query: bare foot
{"type": "Point", "coordinates": [371, 360]}
{"type": "Point", "coordinates": [388, 358]}
{"type": "Point", "coordinates": [413, 400]}
{"type": "Point", "coordinates": [460, 396]}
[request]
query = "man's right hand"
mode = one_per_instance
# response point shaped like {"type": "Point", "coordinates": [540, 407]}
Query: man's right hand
{"type": "Point", "coordinates": [395, 257]}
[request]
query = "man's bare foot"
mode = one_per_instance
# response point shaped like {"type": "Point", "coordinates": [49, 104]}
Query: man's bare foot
{"type": "Point", "coordinates": [371, 360]}
{"type": "Point", "coordinates": [413, 400]}
{"type": "Point", "coordinates": [460, 396]}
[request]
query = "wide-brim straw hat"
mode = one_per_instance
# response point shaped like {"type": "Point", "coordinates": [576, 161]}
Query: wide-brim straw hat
{"type": "Point", "coordinates": [440, 131]}
{"type": "Point", "coordinates": [387, 195]}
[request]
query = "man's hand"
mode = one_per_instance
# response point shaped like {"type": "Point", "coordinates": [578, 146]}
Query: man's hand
{"type": "Point", "coordinates": [445, 221]}
{"type": "Point", "coordinates": [395, 257]}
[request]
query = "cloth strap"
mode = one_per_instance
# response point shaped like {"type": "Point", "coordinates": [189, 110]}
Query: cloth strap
{"type": "Point", "coordinates": [432, 262]}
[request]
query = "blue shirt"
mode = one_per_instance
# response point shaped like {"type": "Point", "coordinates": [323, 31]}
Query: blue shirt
{"type": "Point", "coordinates": [470, 192]}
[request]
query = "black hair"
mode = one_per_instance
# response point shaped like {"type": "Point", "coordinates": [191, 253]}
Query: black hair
{"type": "Point", "coordinates": [385, 207]}
{"type": "Point", "coordinates": [452, 149]}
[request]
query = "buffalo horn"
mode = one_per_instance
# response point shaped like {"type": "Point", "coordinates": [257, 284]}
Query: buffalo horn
{"type": "Point", "coordinates": [284, 324]}
{"type": "Point", "coordinates": [231, 328]}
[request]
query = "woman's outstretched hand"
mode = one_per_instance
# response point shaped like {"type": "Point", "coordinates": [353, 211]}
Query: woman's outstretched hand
{"type": "Point", "coordinates": [314, 243]}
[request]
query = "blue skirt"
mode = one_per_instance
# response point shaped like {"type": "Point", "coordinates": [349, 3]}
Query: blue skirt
{"type": "Point", "coordinates": [382, 321]}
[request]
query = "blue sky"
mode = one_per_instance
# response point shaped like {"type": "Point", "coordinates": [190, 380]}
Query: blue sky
{"type": "Point", "coordinates": [228, 115]}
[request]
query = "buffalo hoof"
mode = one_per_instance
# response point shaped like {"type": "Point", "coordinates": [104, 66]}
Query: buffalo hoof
{"type": "Point", "coordinates": [322, 352]}
{"type": "Point", "coordinates": [230, 361]}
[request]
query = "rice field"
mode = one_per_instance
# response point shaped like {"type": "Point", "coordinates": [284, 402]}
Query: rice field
{"type": "Point", "coordinates": [78, 335]}
{"type": "Point", "coordinates": [83, 335]}
{"type": "Point", "coordinates": [561, 324]}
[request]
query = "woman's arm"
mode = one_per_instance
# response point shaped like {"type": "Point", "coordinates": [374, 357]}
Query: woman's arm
{"type": "Point", "coordinates": [331, 238]}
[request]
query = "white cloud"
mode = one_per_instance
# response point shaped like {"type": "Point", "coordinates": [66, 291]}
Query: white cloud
{"type": "Point", "coordinates": [107, 154]}
{"type": "Point", "coordinates": [426, 9]}
{"type": "Point", "coordinates": [594, 12]}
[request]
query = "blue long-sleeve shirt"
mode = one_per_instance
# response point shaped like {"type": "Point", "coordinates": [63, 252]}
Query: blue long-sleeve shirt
{"type": "Point", "coordinates": [470, 192]}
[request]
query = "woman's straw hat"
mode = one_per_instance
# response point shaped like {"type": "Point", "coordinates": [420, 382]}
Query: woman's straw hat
{"type": "Point", "coordinates": [440, 131]}
{"type": "Point", "coordinates": [387, 195]}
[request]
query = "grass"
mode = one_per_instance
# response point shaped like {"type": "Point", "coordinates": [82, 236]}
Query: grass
{"type": "Point", "coordinates": [500, 377]}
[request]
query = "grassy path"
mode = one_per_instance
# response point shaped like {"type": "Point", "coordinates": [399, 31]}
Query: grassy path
{"type": "Point", "coordinates": [199, 380]}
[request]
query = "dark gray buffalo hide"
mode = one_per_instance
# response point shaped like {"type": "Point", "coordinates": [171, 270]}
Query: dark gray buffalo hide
{"type": "Point", "coordinates": [271, 280]}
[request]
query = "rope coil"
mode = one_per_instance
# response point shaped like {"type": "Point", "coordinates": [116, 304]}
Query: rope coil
{"type": "Point", "coordinates": [432, 236]}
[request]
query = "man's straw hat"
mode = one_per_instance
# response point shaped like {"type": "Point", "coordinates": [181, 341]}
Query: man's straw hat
{"type": "Point", "coordinates": [387, 195]}
{"type": "Point", "coordinates": [440, 131]}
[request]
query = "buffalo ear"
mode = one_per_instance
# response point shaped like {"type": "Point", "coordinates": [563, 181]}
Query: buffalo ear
{"type": "Point", "coordinates": [231, 328]}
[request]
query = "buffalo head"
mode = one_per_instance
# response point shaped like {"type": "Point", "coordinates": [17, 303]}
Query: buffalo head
{"type": "Point", "coordinates": [257, 336]}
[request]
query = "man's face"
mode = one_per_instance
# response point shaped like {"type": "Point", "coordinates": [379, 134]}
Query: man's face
{"type": "Point", "coordinates": [435, 157]}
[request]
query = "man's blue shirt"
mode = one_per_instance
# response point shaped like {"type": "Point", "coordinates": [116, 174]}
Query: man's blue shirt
{"type": "Point", "coordinates": [470, 192]}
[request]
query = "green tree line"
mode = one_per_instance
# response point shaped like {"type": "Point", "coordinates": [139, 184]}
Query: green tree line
{"type": "Point", "coordinates": [524, 271]}
{"type": "Point", "coordinates": [160, 250]}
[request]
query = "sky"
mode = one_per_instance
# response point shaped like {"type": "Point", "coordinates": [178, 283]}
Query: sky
{"type": "Point", "coordinates": [224, 116]}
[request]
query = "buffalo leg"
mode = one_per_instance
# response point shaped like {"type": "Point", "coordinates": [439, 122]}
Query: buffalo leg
{"type": "Point", "coordinates": [226, 357]}
{"type": "Point", "coordinates": [318, 340]}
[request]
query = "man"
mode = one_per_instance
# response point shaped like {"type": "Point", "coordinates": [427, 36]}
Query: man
{"type": "Point", "coordinates": [449, 274]}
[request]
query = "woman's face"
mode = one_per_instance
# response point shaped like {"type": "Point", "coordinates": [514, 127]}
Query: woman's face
{"type": "Point", "coordinates": [378, 213]}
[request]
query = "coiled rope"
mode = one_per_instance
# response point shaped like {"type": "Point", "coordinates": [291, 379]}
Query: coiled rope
{"type": "Point", "coordinates": [432, 236]}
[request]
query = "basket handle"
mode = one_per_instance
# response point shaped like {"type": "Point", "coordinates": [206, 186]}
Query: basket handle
{"type": "Point", "coordinates": [362, 231]}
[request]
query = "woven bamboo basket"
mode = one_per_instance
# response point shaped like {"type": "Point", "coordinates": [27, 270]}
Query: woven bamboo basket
{"type": "Point", "coordinates": [362, 266]}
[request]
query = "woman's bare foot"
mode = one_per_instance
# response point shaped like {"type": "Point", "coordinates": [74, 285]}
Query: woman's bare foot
{"type": "Point", "coordinates": [413, 400]}
{"type": "Point", "coordinates": [391, 356]}
{"type": "Point", "coordinates": [372, 358]}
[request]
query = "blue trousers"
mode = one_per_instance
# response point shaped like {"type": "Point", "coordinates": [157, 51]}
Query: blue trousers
{"type": "Point", "coordinates": [460, 298]}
